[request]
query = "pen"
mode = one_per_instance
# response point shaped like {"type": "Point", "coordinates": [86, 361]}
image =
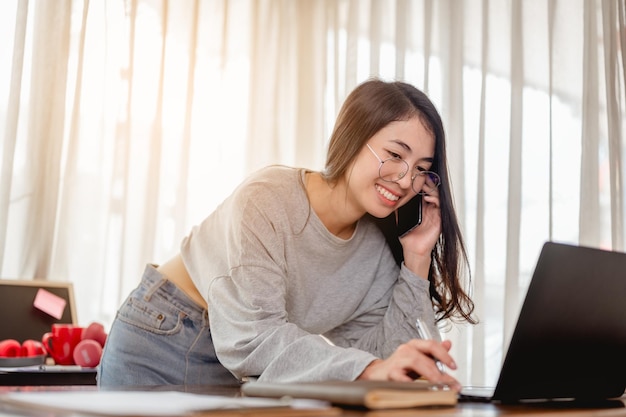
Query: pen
{"type": "Point", "coordinates": [64, 368]}
{"type": "Point", "coordinates": [424, 334]}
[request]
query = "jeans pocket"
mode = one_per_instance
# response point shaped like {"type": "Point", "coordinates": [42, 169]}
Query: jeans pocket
{"type": "Point", "coordinates": [156, 316]}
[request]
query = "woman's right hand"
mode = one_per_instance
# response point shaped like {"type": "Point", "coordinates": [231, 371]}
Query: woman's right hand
{"type": "Point", "coordinates": [412, 360]}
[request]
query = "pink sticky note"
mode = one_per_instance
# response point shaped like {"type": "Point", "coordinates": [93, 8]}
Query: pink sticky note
{"type": "Point", "coordinates": [49, 303]}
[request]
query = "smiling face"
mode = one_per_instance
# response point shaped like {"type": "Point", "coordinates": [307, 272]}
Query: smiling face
{"type": "Point", "coordinates": [408, 140]}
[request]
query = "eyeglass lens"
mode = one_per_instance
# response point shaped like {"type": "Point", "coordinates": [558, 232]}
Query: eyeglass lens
{"type": "Point", "coordinates": [395, 169]}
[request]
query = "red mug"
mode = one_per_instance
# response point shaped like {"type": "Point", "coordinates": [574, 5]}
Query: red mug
{"type": "Point", "coordinates": [61, 341]}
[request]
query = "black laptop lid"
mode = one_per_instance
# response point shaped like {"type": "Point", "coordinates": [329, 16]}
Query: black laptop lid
{"type": "Point", "coordinates": [21, 320]}
{"type": "Point", "coordinates": [570, 337]}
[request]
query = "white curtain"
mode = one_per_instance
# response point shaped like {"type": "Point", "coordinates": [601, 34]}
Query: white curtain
{"type": "Point", "coordinates": [124, 123]}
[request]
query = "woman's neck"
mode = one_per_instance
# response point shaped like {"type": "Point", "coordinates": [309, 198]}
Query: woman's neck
{"type": "Point", "coordinates": [331, 205]}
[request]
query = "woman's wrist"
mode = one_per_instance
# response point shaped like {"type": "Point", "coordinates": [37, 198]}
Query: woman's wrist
{"type": "Point", "coordinates": [368, 371]}
{"type": "Point", "coordinates": [419, 265]}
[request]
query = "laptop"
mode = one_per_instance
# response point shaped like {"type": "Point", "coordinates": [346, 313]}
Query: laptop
{"type": "Point", "coordinates": [569, 342]}
{"type": "Point", "coordinates": [23, 320]}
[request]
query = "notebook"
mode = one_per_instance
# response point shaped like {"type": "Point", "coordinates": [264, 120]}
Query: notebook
{"type": "Point", "coordinates": [570, 338]}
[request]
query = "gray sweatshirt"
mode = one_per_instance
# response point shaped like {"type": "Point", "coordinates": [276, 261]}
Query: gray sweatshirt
{"type": "Point", "coordinates": [288, 300]}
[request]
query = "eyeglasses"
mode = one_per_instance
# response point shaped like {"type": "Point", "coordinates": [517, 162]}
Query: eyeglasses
{"type": "Point", "coordinates": [394, 169]}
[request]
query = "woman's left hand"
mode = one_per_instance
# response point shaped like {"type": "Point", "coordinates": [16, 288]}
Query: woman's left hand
{"type": "Point", "coordinates": [418, 244]}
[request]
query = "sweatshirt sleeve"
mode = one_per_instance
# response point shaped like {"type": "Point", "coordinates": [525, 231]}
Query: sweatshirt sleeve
{"type": "Point", "coordinates": [256, 339]}
{"type": "Point", "coordinates": [391, 320]}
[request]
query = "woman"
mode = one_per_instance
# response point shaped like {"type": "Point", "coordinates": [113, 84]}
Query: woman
{"type": "Point", "coordinates": [291, 279]}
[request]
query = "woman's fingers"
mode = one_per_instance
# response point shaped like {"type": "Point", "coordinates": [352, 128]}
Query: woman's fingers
{"type": "Point", "coordinates": [424, 357]}
{"type": "Point", "coordinates": [412, 359]}
{"type": "Point", "coordinates": [437, 350]}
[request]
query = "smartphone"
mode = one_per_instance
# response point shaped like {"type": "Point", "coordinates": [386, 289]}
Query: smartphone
{"type": "Point", "coordinates": [409, 215]}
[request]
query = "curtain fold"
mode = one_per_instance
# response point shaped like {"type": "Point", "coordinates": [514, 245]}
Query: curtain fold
{"type": "Point", "coordinates": [590, 216]}
{"type": "Point", "coordinates": [183, 180]}
{"type": "Point", "coordinates": [613, 89]}
{"type": "Point", "coordinates": [62, 258]}
{"type": "Point", "coordinates": [478, 294]}
{"type": "Point", "coordinates": [125, 123]}
{"type": "Point", "coordinates": [401, 41]}
{"type": "Point", "coordinates": [308, 112]}
{"type": "Point", "coordinates": [451, 53]}
{"type": "Point", "coordinates": [551, 25]}
{"type": "Point", "coordinates": [511, 292]}
{"type": "Point", "coordinates": [152, 181]}
{"type": "Point", "coordinates": [46, 133]}
{"type": "Point", "coordinates": [273, 39]}
{"type": "Point", "coordinates": [117, 221]}
{"type": "Point", "coordinates": [11, 124]}
{"type": "Point", "coordinates": [428, 18]}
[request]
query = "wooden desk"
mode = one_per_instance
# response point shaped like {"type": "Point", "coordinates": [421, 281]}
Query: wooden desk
{"type": "Point", "coordinates": [609, 409]}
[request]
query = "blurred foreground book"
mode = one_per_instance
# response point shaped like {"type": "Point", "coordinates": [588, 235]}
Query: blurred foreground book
{"type": "Point", "coordinates": [369, 394]}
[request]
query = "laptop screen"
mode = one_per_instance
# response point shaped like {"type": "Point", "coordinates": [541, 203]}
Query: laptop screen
{"type": "Point", "coordinates": [570, 337]}
{"type": "Point", "coordinates": [22, 319]}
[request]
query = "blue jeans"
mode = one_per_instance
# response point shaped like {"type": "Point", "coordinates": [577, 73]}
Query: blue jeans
{"type": "Point", "coordinates": [160, 337]}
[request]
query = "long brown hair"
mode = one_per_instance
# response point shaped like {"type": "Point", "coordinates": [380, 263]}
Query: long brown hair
{"type": "Point", "coordinates": [368, 108]}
